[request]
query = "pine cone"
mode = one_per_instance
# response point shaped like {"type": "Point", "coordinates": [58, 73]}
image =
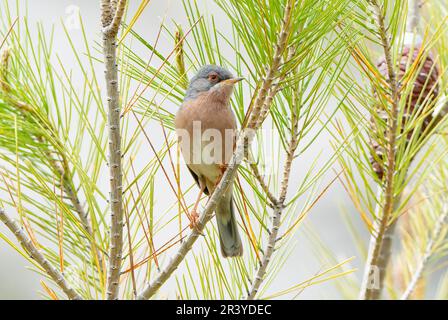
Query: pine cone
{"type": "Point", "coordinates": [425, 84]}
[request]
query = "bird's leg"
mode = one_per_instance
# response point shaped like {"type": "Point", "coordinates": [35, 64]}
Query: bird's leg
{"type": "Point", "coordinates": [222, 168]}
{"type": "Point", "coordinates": [194, 216]}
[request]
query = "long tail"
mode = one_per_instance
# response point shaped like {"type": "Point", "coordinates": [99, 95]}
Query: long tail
{"type": "Point", "coordinates": [229, 237]}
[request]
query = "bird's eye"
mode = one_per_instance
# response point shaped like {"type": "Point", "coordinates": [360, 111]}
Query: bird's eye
{"type": "Point", "coordinates": [213, 77]}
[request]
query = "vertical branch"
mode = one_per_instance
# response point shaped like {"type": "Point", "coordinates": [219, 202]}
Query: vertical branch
{"type": "Point", "coordinates": [279, 206]}
{"type": "Point", "coordinates": [413, 15]}
{"type": "Point", "coordinates": [440, 223]}
{"type": "Point", "coordinates": [111, 21]}
{"type": "Point", "coordinates": [37, 256]}
{"type": "Point", "coordinates": [264, 98]}
{"type": "Point", "coordinates": [275, 88]}
{"type": "Point", "coordinates": [379, 252]}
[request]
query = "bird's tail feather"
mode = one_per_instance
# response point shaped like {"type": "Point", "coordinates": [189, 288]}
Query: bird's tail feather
{"type": "Point", "coordinates": [229, 237]}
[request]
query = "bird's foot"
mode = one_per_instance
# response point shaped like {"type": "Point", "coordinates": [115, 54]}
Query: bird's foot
{"type": "Point", "coordinates": [222, 168]}
{"type": "Point", "coordinates": [194, 218]}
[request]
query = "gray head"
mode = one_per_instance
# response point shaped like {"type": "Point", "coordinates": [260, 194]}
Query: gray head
{"type": "Point", "coordinates": [210, 77]}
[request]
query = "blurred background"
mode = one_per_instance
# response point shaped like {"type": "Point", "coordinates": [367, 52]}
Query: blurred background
{"type": "Point", "coordinates": [325, 219]}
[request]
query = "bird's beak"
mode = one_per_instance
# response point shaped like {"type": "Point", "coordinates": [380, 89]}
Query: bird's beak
{"type": "Point", "coordinates": [232, 81]}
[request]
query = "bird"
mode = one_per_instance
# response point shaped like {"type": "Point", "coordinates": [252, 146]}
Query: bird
{"type": "Point", "coordinates": [206, 128]}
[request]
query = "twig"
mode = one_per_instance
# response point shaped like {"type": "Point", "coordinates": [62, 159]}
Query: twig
{"type": "Point", "coordinates": [413, 15]}
{"type": "Point", "coordinates": [279, 206]}
{"type": "Point", "coordinates": [111, 21]}
{"type": "Point", "coordinates": [244, 141]}
{"type": "Point", "coordinates": [275, 88]}
{"type": "Point", "coordinates": [37, 256]}
{"type": "Point", "coordinates": [67, 186]}
{"type": "Point", "coordinates": [268, 251]}
{"type": "Point", "coordinates": [387, 238]}
{"type": "Point", "coordinates": [376, 258]}
{"type": "Point", "coordinates": [429, 250]}
{"type": "Point", "coordinates": [265, 96]}
{"type": "Point", "coordinates": [263, 184]}
{"type": "Point", "coordinates": [276, 216]}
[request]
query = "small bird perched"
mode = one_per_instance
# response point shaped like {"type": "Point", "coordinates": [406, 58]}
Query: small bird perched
{"type": "Point", "coordinates": [206, 128]}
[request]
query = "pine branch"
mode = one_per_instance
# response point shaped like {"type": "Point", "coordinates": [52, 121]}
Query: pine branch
{"type": "Point", "coordinates": [413, 15]}
{"type": "Point", "coordinates": [57, 161]}
{"type": "Point", "coordinates": [265, 97]}
{"type": "Point", "coordinates": [389, 233]}
{"type": "Point", "coordinates": [376, 258]}
{"type": "Point", "coordinates": [279, 205]}
{"type": "Point", "coordinates": [263, 184]}
{"type": "Point", "coordinates": [384, 256]}
{"type": "Point", "coordinates": [110, 31]}
{"type": "Point", "coordinates": [275, 88]}
{"type": "Point", "coordinates": [37, 256]}
{"type": "Point", "coordinates": [429, 250]}
{"type": "Point", "coordinates": [244, 141]}
{"type": "Point", "coordinates": [117, 8]}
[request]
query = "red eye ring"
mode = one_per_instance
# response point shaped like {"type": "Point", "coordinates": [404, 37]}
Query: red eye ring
{"type": "Point", "coordinates": [213, 77]}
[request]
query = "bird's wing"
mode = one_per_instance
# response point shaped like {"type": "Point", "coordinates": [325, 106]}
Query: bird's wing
{"type": "Point", "coordinates": [196, 178]}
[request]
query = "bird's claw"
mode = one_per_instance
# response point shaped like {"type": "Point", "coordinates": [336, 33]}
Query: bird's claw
{"type": "Point", "coordinates": [194, 218]}
{"type": "Point", "coordinates": [194, 223]}
{"type": "Point", "coordinates": [223, 168]}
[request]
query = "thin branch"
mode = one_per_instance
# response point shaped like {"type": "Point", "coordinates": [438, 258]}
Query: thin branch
{"type": "Point", "coordinates": [59, 166]}
{"type": "Point", "coordinates": [263, 184]}
{"type": "Point", "coordinates": [279, 206]}
{"type": "Point", "coordinates": [376, 259]}
{"type": "Point", "coordinates": [278, 210]}
{"type": "Point", "coordinates": [413, 15]}
{"type": "Point", "coordinates": [37, 256]}
{"type": "Point", "coordinates": [244, 141]}
{"type": "Point", "coordinates": [64, 174]}
{"type": "Point", "coordinates": [429, 250]}
{"type": "Point", "coordinates": [275, 88]}
{"type": "Point", "coordinates": [110, 32]}
{"type": "Point", "coordinates": [268, 251]}
{"type": "Point", "coordinates": [292, 147]}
